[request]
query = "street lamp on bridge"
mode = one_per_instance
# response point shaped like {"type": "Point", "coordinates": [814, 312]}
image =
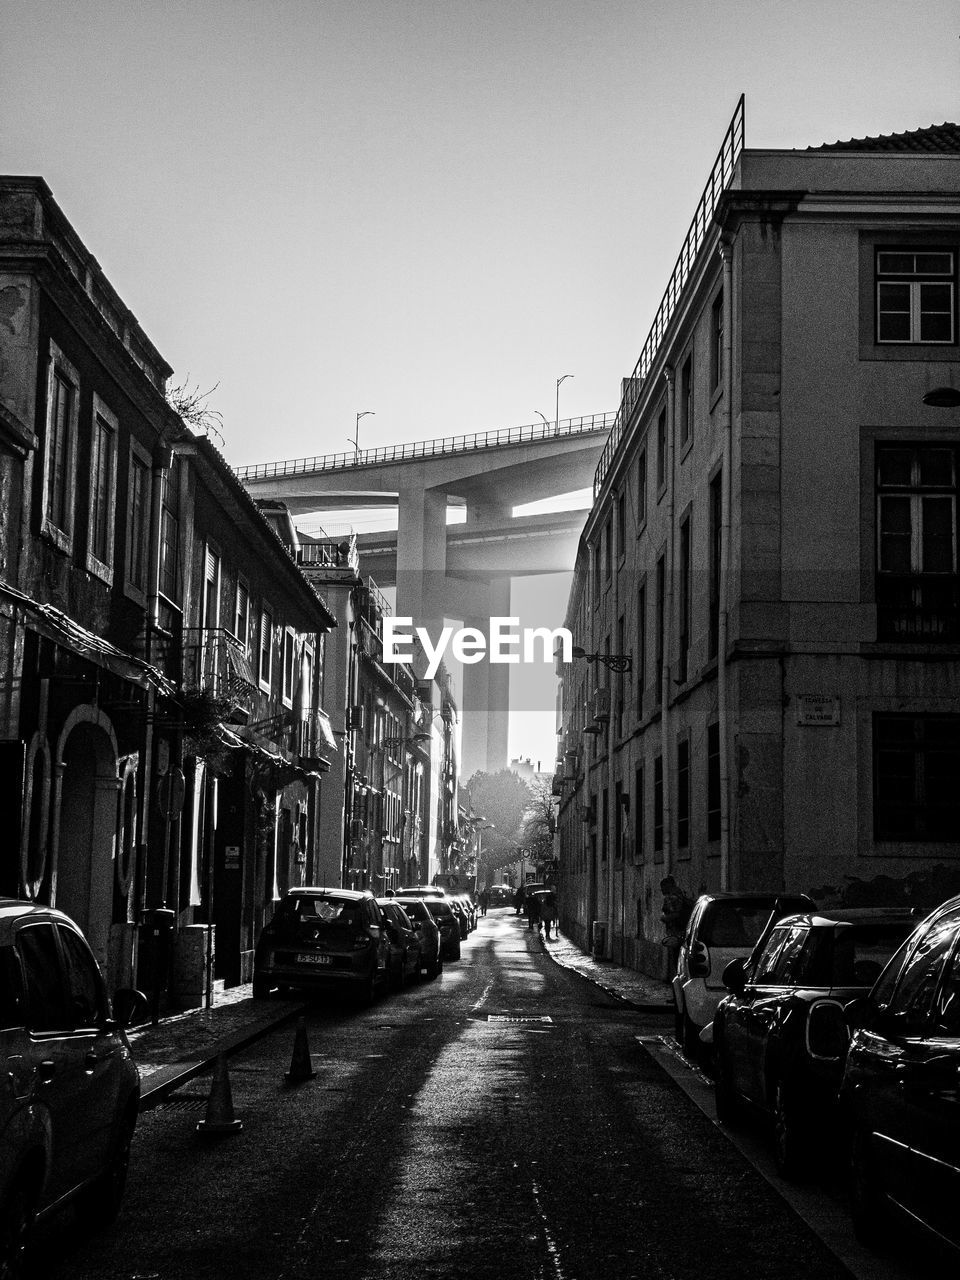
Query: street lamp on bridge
{"type": "Point", "coordinates": [355, 441]}
{"type": "Point", "coordinates": [563, 378]}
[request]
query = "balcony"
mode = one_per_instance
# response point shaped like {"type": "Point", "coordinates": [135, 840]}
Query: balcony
{"type": "Point", "coordinates": [214, 659]}
{"type": "Point", "coordinates": [918, 609]}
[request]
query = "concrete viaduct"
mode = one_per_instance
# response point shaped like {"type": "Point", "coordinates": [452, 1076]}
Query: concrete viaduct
{"type": "Point", "coordinates": [463, 570]}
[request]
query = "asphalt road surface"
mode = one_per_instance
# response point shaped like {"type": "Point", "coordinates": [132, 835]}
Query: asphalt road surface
{"type": "Point", "coordinates": [502, 1121]}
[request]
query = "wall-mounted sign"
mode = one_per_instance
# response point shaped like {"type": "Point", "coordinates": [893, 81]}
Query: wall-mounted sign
{"type": "Point", "coordinates": [231, 857]}
{"type": "Point", "coordinates": [814, 709]}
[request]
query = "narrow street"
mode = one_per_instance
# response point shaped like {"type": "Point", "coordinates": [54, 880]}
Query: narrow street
{"type": "Point", "coordinates": [501, 1121]}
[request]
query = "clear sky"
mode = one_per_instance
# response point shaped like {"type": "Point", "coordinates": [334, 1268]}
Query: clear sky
{"type": "Point", "coordinates": [430, 209]}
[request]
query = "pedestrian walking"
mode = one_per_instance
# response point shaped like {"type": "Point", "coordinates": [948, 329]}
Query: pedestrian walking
{"type": "Point", "coordinates": [533, 911]}
{"type": "Point", "coordinates": [518, 898]}
{"type": "Point", "coordinates": [484, 902]}
{"type": "Point", "coordinates": [548, 913]}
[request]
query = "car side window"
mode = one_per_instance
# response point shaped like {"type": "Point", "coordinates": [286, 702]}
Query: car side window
{"type": "Point", "coordinates": [12, 1004]}
{"type": "Point", "coordinates": [785, 968]}
{"type": "Point", "coordinates": [47, 1008]}
{"type": "Point", "coordinates": [767, 960]}
{"type": "Point", "coordinates": [948, 1001]}
{"type": "Point", "coordinates": [84, 984]}
{"type": "Point", "coordinates": [918, 982]}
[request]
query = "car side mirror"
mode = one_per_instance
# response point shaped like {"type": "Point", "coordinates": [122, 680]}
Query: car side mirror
{"type": "Point", "coordinates": [129, 1006]}
{"type": "Point", "coordinates": [735, 977]}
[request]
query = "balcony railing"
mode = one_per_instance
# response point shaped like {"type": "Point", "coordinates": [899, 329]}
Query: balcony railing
{"type": "Point", "coordinates": [717, 183]}
{"type": "Point", "coordinates": [922, 609]}
{"type": "Point", "coordinates": [594, 422]}
{"type": "Point", "coordinates": [215, 659]}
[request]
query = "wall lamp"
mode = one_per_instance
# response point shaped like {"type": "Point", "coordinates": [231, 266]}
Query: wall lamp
{"type": "Point", "coordinates": [614, 661]}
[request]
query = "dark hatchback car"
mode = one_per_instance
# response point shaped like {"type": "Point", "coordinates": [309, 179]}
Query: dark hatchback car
{"type": "Point", "coordinates": [779, 1037]}
{"type": "Point", "coordinates": [447, 922]}
{"type": "Point", "coordinates": [900, 1094]}
{"type": "Point", "coordinates": [324, 939]}
{"type": "Point", "coordinates": [69, 1089]}
{"type": "Point", "coordinates": [417, 910]}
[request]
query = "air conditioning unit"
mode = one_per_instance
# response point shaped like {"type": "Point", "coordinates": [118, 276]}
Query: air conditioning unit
{"type": "Point", "coordinates": [569, 764]}
{"type": "Point", "coordinates": [355, 717]}
{"type": "Point", "coordinates": [601, 705]}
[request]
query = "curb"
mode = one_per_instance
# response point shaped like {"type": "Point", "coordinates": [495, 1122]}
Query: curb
{"type": "Point", "coordinates": [167, 1079]}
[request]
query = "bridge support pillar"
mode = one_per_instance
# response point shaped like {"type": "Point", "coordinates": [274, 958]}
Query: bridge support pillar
{"type": "Point", "coordinates": [421, 555]}
{"type": "Point", "coordinates": [486, 689]}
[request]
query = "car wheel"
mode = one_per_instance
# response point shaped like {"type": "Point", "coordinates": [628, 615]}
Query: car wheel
{"type": "Point", "coordinates": [790, 1151]}
{"type": "Point", "coordinates": [16, 1224]}
{"type": "Point", "coordinates": [433, 969]}
{"type": "Point", "coordinates": [100, 1202]}
{"type": "Point", "coordinates": [261, 988]}
{"type": "Point", "coordinates": [368, 990]}
{"type": "Point", "coordinates": [867, 1206]}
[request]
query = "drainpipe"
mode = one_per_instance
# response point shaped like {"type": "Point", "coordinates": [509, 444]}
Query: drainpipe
{"type": "Point", "coordinates": [723, 623]}
{"type": "Point", "coordinates": [665, 668]}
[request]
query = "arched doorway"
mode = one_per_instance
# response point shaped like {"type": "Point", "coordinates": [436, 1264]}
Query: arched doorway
{"type": "Point", "coordinates": [86, 822]}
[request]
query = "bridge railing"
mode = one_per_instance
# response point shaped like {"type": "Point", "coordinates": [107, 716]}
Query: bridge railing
{"type": "Point", "coordinates": [430, 448]}
{"type": "Point", "coordinates": [720, 177]}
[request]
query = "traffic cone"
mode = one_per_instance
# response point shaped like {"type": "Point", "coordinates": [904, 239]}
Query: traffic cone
{"type": "Point", "coordinates": [301, 1067]}
{"type": "Point", "coordinates": [220, 1118]}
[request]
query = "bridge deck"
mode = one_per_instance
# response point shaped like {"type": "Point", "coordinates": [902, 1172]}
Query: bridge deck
{"type": "Point", "coordinates": [596, 424]}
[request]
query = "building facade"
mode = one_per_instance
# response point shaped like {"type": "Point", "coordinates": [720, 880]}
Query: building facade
{"type": "Point", "coordinates": [772, 550]}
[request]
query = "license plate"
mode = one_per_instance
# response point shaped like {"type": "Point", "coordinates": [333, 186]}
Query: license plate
{"type": "Point", "coordinates": [312, 957]}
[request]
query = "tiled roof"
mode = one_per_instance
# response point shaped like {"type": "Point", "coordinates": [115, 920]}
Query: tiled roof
{"type": "Point", "coordinates": [942, 138]}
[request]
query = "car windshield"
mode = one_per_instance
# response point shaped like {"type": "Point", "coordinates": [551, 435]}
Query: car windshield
{"type": "Point", "coordinates": [734, 924]}
{"type": "Point", "coordinates": [415, 910]}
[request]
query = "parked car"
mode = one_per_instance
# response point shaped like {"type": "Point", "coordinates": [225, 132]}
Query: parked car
{"type": "Point", "coordinates": [501, 895]}
{"type": "Point", "coordinates": [469, 909]}
{"type": "Point", "coordinates": [901, 1086]}
{"type": "Point", "coordinates": [322, 939]}
{"type": "Point", "coordinates": [70, 1092]}
{"type": "Point", "coordinates": [459, 911]}
{"type": "Point", "coordinates": [405, 944]}
{"type": "Point", "coordinates": [721, 927]}
{"type": "Point", "coordinates": [777, 1042]}
{"type": "Point", "coordinates": [418, 912]}
{"type": "Point", "coordinates": [447, 922]}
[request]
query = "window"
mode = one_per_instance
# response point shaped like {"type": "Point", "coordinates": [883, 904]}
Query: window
{"type": "Point", "coordinates": [641, 490]}
{"type": "Point", "coordinates": [662, 449]}
{"type": "Point", "coordinates": [170, 531]}
{"type": "Point", "coordinates": [608, 549]}
{"type": "Point", "coordinates": [622, 525]}
{"type": "Point", "coordinates": [716, 341]}
{"type": "Point", "coordinates": [84, 986]}
{"type": "Point", "coordinates": [289, 650]}
{"type": "Point", "coordinates": [713, 782]}
{"type": "Point", "coordinates": [621, 677]}
{"type": "Point", "coordinates": [266, 649]}
{"type": "Point", "coordinates": [211, 590]}
{"type": "Point", "coordinates": [915, 295]}
{"type": "Point", "coordinates": [618, 820]}
{"type": "Point", "coordinates": [241, 613]}
{"type": "Point", "coordinates": [947, 1008]}
{"type": "Point", "coordinates": [604, 824]}
{"type": "Point", "coordinates": [640, 661]}
{"type": "Point", "coordinates": [919, 979]}
{"type": "Point", "coordinates": [686, 401]}
{"type": "Point", "coordinates": [138, 520]}
{"type": "Point", "coordinates": [716, 548]}
{"type": "Point", "coordinates": [767, 960]}
{"type": "Point", "coordinates": [683, 793]}
{"type": "Point", "coordinates": [60, 447]}
{"type": "Point", "coordinates": [638, 798]}
{"type": "Point", "coordinates": [916, 766]}
{"type": "Point", "coordinates": [596, 571]}
{"type": "Point", "coordinates": [658, 804]}
{"type": "Point", "coordinates": [103, 489]}
{"type": "Point", "coordinates": [683, 656]}
{"type": "Point", "coordinates": [917, 580]}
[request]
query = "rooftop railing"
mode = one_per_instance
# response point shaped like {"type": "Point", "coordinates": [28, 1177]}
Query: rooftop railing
{"type": "Point", "coordinates": [719, 180]}
{"type": "Point", "coordinates": [594, 422]}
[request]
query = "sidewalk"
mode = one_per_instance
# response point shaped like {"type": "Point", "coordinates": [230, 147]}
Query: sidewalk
{"type": "Point", "coordinates": [184, 1044]}
{"type": "Point", "coordinates": [636, 989]}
